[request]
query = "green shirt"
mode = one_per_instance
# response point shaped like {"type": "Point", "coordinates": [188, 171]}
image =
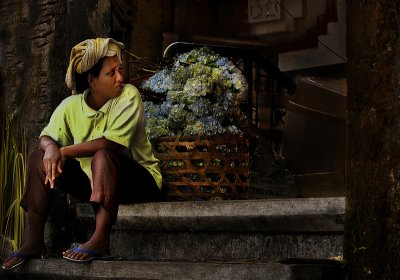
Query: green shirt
{"type": "Point", "coordinates": [120, 120]}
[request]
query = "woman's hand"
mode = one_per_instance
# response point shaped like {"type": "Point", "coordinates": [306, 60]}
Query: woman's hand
{"type": "Point", "coordinates": [52, 161]}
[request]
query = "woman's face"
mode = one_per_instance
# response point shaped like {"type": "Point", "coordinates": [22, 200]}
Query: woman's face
{"type": "Point", "coordinates": [109, 83]}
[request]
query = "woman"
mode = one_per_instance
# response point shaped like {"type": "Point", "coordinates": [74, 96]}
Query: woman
{"type": "Point", "coordinates": [94, 148]}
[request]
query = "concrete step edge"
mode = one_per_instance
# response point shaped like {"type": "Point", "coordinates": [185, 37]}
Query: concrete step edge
{"type": "Point", "coordinates": [270, 215]}
{"type": "Point", "coordinates": [57, 268]}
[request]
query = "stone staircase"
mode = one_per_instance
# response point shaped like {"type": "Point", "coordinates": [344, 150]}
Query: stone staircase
{"type": "Point", "coordinates": [238, 239]}
{"type": "Point", "coordinates": [331, 48]}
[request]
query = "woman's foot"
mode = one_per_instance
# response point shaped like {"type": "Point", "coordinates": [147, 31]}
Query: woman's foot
{"type": "Point", "coordinates": [98, 247]}
{"type": "Point", "coordinates": [27, 251]}
{"type": "Point", "coordinates": [88, 251]}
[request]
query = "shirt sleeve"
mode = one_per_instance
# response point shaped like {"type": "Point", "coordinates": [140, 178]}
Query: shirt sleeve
{"type": "Point", "coordinates": [57, 128]}
{"type": "Point", "coordinates": [125, 116]}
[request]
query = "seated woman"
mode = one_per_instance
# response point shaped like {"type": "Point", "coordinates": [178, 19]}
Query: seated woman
{"type": "Point", "coordinates": [94, 148]}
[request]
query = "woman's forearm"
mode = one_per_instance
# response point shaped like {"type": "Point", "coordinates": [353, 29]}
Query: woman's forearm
{"type": "Point", "coordinates": [46, 142]}
{"type": "Point", "coordinates": [87, 149]}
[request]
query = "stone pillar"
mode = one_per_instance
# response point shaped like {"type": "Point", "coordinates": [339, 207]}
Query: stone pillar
{"type": "Point", "coordinates": [372, 230]}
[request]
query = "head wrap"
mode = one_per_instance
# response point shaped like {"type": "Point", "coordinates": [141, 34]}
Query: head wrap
{"type": "Point", "coordinates": [87, 53]}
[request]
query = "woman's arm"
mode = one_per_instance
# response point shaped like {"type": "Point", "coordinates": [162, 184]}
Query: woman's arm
{"type": "Point", "coordinates": [87, 149]}
{"type": "Point", "coordinates": [54, 156]}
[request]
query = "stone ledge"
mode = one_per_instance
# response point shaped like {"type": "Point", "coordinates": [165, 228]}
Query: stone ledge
{"type": "Point", "coordinates": [270, 215]}
{"type": "Point", "coordinates": [223, 246]}
{"type": "Point", "coordinates": [57, 268]}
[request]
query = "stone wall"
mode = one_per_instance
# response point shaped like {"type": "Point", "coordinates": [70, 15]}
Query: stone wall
{"type": "Point", "coordinates": [35, 41]}
{"type": "Point", "coordinates": [372, 231]}
{"type": "Point", "coordinates": [32, 57]}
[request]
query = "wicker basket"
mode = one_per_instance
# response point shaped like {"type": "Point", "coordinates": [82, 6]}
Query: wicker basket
{"type": "Point", "coordinates": [204, 168]}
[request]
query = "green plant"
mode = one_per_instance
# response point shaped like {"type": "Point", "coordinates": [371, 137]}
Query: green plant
{"type": "Point", "coordinates": [12, 180]}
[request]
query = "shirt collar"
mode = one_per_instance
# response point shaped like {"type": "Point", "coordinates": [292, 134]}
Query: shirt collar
{"type": "Point", "coordinates": [90, 112]}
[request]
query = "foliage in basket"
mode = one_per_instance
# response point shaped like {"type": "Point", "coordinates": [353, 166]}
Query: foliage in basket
{"type": "Point", "coordinates": [201, 95]}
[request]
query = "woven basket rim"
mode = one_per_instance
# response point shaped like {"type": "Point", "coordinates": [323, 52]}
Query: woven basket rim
{"type": "Point", "coordinates": [179, 138]}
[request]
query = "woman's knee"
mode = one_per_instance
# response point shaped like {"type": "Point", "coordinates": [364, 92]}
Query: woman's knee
{"type": "Point", "coordinates": [35, 159]}
{"type": "Point", "coordinates": [105, 158]}
{"type": "Point", "coordinates": [36, 155]}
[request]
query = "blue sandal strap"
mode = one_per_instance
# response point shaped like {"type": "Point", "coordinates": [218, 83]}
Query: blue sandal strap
{"type": "Point", "coordinates": [17, 254]}
{"type": "Point", "coordinates": [76, 249]}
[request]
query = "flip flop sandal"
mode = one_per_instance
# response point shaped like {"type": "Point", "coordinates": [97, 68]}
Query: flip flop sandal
{"type": "Point", "coordinates": [24, 257]}
{"type": "Point", "coordinates": [93, 255]}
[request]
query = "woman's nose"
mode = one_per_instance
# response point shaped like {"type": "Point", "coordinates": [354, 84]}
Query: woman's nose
{"type": "Point", "coordinates": [119, 76]}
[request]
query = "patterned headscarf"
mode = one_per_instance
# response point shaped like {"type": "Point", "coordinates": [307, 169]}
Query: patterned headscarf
{"type": "Point", "coordinates": [86, 54]}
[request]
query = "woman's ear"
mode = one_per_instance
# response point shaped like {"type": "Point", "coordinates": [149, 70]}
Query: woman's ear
{"type": "Point", "coordinates": [90, 79]}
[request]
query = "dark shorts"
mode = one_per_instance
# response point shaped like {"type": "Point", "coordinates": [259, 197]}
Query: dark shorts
{"type": "Point", "coordinates": [116, 180]}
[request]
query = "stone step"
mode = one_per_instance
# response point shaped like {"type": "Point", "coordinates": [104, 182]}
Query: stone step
{"type": "Point", "coordinates": [57, 268]}
{"type": "Point", "coordinates": [259, 230]}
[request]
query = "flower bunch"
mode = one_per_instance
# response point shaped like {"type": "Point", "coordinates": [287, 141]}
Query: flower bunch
{"type": "Point", "coordinates": [201, 92]}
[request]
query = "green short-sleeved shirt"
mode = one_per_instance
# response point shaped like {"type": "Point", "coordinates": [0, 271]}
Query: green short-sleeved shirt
{"type": "Point", "coordinates": [120, 120]}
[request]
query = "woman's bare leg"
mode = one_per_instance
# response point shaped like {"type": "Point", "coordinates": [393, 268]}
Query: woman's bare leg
{"type": "Point", "coordinates": [105, 170]}
{"type": "Point", "coordinates": [100, 240]}
{"type": "Point", "coordinates": [36, 201]}
{"type": "Point", "coordinates": [34, 246]}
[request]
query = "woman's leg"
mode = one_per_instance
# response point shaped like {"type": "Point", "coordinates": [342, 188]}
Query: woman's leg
{"type": "Point", "coordinates": [116, 179]}
{"type": "Point", "coordinates": [99, 241]}
{"type": "Point", "coordinates": [105, 172]}
{"type": "Point", "coordinates": [35, 201]}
